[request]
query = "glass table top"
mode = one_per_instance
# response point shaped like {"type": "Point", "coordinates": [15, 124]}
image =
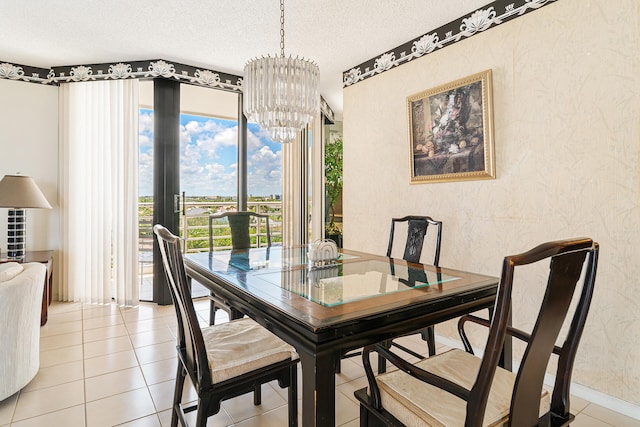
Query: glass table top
{"type": "Point", "coordinates": [343, 283]}
{"type": "Point", "coordinates": [350, 278]}
{"type": "Point", "coordinates": [268, 258]}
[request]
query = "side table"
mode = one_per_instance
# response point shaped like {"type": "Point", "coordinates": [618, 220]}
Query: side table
{"type": "Point", "coordinates": [44, 257]}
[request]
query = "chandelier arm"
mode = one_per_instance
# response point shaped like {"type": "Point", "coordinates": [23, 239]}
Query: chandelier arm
{"type": "Point", "coordinates": [282, 28]}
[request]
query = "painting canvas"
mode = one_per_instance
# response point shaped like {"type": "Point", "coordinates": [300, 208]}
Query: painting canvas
{"type": "Point", "coordinates": [451, 131]}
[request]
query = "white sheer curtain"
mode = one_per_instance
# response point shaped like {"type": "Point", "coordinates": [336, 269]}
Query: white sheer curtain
{"type": "Point", "coordinates": [295, 186]}
{"type": "Point", "coordinates": [99, 191]}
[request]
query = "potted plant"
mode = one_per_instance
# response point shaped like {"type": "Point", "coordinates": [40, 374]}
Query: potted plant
{"type": "Point", "coordinates": [333, 187]}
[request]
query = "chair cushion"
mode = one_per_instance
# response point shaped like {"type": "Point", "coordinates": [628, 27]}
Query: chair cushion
{"type": "Point", "coordinates": [241, 346]}
{"type": "Point", "coordinates": [9, 270]}
{"type": "Point", "coordinates": [416, 403]}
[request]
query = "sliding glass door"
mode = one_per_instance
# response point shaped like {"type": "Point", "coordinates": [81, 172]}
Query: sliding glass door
{"type": "Point", "coordinates": [207, 172]}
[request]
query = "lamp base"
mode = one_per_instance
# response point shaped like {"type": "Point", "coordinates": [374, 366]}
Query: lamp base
{"type": "Point", "coordinates": [16, 234]}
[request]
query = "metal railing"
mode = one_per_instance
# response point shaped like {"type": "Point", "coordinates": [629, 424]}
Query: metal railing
{"type": "Point", "coordinates": [194, 224]}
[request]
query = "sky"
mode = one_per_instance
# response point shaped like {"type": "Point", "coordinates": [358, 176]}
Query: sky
{"type": "Point", "coordinates": [208, 157]}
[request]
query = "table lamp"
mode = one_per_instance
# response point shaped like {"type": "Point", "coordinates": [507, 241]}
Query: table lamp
{"type": "Point", "coordinates": [19, 192]}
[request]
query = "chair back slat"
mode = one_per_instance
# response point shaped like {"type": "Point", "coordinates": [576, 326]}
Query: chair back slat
{"type": "Point", "coordinates": [190, 339]}
{"type": "Point", "coordinates": [416, 231]}
{"type": "Point", "coordinates": [564, 274]}
{"type": "Point", "coordinates": [239, 225]}
{"type": "Point", "coordinates": [240, 234]}
{"type": "Point", "coordinates": [560, 398]}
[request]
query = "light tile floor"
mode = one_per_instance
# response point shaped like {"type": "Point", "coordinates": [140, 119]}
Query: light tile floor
{"type": "Point", "coordinates": [107, 366]}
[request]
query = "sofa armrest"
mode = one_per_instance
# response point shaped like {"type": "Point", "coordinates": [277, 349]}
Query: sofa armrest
{"type": "Point", "coordinates": [20, 305]}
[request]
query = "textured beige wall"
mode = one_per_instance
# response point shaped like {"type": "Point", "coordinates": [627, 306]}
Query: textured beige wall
{"type": "Point", "coordinates": [566, 83]}
{"type": "Point", "coordinates": [29, 145]}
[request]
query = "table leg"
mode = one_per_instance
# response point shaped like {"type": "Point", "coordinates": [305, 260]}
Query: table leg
{"type": "Point", "coordinates": [318, 389]}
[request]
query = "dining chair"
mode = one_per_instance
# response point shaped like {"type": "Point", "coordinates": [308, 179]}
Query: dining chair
{"type": "Point", "coordinates": [225, 360]}
{"type": "Point", "coordinates": [457, 388]}
{"type": "Point", "coordinates": [240, 225]}
{"type": "Point", "coordinates": [416, 232]}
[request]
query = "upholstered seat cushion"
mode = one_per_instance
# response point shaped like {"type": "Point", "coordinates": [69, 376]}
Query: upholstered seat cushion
{"type": "Point", "coordinates": [416, 403]}
{"type": "Point", "coordinates": [9, 270]}
{"type": "Point", "coordinates": [241, 346]}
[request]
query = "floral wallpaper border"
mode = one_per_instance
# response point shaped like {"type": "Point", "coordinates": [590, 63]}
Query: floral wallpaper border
{"type": "Point", "coordinates": [122, 70]}
{"type": "Point", "coordinates": [157, 68]}
{"type": "Point", "coordinates": [455, 31]}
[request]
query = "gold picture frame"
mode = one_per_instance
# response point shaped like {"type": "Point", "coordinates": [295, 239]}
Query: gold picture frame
{"type": "Point", "coordinates": [451, 131]}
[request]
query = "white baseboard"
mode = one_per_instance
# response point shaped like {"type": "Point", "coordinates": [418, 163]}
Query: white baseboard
{"type": "Point", "coordinates": [594, 396]}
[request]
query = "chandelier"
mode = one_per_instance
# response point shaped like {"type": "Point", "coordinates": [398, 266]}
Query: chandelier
{"type": "Point", "coordinates": [281, 93]}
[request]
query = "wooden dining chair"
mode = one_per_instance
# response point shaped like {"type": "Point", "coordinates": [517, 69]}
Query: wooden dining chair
{"type": "Point", "coordinates": [222, 361]}
{"type": "Point", "coordinates": [416, 233]}
{"type": "Point", "coordinates": [456, 388]}
{"type": "Point", "coordinates": [417, 227]}
{"type": "Point", "coordinates": [240, 225]}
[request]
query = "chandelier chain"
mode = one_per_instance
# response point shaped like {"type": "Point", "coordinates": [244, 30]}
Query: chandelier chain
{"type": "Point", "coordinates": [282, 28]}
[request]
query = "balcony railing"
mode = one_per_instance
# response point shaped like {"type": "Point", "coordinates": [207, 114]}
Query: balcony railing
{"type": "Point", "coordinates": [194, 225]}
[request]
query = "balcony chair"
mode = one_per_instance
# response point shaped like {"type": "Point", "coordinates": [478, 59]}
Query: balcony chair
{"type": "Point", "coordinates": [456, 388]}
{"type": "Point", "coordinates": [240, 224]}
{"type": "Point", "coordinates": [222, 361]}
{"type": "Point", "coordinates": [416, 232]}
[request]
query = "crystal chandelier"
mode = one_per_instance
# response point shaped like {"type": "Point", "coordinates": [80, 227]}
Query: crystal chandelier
{"type": "Point", "coordinates": [280, 93]}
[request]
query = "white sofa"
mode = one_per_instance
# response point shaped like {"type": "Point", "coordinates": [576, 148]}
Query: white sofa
{"type": "Point", "coordinates": [21, 287]}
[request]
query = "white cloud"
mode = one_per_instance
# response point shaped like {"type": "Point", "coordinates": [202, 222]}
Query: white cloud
{"type": "Point", "coordinates": [145, 174]}
{"type": "Point", "coordinates": [212, 143]}
{"type": "Point", "coordinates": [264, 174]}
{"type": "Point", "coordinates": [145, 122]}
{"type": "Point", "coordinates": [203, 170]}
{"type": "Point", "coordinates": [145, 130]}
{"type": "Point", "coordinates": [253, 141]}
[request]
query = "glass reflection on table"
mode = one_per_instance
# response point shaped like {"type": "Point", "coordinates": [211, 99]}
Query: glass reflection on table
{"type": "Point", "coordinates": [342, 283]}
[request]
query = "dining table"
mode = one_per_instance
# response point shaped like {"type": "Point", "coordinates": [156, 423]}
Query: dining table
{"type": "Point", "coordinates": [324, 309]}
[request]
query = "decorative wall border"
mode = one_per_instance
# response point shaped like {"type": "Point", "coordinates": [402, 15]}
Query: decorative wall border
{"type": "Point", "coordinates": [448, 34]}
{"type": "Point", "coordinates": [24, 73]}
{"type": "Point", "coordinates": [157, 68]}
{"type": "Point", "coordinates": [455, 31]}
{"type": "Point", "coordinates": [123, 70]}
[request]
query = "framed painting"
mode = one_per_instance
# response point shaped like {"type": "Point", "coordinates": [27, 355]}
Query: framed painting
{"type": "Point", "coordinates": [451, 131]}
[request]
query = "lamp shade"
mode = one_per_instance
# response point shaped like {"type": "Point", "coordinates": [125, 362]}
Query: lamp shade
{"type": "Point", "coordinates": [19, 191]}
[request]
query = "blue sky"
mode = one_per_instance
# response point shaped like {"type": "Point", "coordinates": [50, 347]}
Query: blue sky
{"type": "Point", "coordinates": [208, 157]}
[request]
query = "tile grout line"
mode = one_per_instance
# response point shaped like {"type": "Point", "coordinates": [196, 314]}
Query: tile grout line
{"type": "Point", "coordinates": [21, 393]}
{"type": "Point", "coordinates": [157, 315]}
{"type": "Point", "coordinates": [84, 373]}
{"type": "Point", "coordinates": [139, 366]}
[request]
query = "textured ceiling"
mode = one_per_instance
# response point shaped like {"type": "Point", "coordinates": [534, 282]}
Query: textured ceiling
{"type": "Point", "coordinates": [220, 35]}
